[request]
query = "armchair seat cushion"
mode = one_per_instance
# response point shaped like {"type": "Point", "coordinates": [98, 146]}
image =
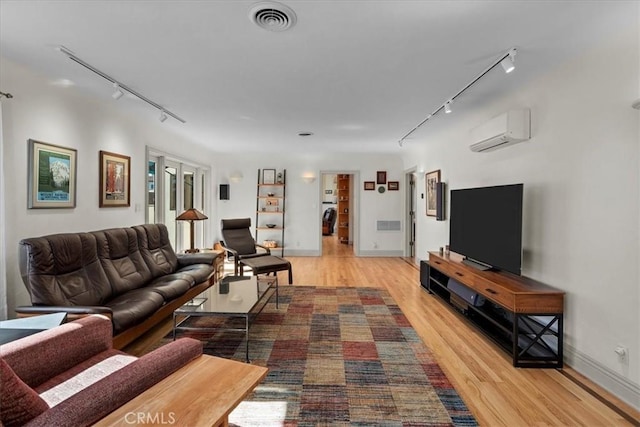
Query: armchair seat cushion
{"type": "Point", "coordinates": [91, 374]}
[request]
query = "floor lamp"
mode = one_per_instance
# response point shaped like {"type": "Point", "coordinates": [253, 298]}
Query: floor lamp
{"type": "Point", "coordinates": [191, 215]}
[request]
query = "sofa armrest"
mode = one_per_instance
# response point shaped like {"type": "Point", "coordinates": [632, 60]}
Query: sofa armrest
{"type": "Point", "coordinates": [41, 356]}
{"type": "Point", "coordinates": [73, 312]}
{"type": "Point", "coordinates": [197, 258]}
{"type": "Point", "coordinates": [108, 394]}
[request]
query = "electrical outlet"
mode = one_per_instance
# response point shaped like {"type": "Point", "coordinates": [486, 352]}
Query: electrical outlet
{"type": "Point", "coordinates": [622, 353]}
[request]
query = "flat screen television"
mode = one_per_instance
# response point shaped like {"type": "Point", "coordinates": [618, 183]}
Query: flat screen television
{"type": "Point", "coordinates": [486, 226]}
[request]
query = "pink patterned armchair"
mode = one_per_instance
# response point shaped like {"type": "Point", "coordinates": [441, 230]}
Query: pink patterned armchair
{"type": "Point", "coordinates": [71, 375]}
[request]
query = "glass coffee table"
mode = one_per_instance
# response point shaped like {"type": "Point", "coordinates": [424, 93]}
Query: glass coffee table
{"type": "Point", "coordinates": [233, 296]}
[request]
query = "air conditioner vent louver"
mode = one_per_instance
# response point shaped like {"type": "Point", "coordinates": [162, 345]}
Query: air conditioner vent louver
{"type": "Point", "coordinates": [272, 16]}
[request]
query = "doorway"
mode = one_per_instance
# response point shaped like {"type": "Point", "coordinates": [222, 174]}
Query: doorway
{"type": "Point", "coordinates": [338, 214]}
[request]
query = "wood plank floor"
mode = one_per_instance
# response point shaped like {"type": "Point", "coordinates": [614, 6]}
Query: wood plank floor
{"type": "Point", "coordinates": [497, 393]}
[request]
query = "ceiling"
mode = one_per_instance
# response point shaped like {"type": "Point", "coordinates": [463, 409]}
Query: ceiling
{"type": "Point", "coordinates": [358, 74]}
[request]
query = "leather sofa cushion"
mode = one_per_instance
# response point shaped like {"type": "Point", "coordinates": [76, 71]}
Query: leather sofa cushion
{"type": "Point", "coordinates": [171, 286]}
{"type": "Point", "coordinates": [133, 307]}
{"type": "Point", "coordinates": [63, 270]}
{"type": "Point", "coordinates": [156, 250]}
{"type": "Point", "coordinates": [199, 272]}
{"type": "Point", "coordinates": [121, 259]}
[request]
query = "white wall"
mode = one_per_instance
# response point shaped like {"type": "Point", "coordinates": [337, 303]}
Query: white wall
{"type": "Point", "coordinates": [62, 116]}
{"type": "Point", "coordinates": [303, 214]}
{"type": "Point", "coordinates": [581, 207]}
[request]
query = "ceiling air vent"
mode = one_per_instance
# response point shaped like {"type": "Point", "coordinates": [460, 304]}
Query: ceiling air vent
{"type": "Point", "coordinates": [272, 16]}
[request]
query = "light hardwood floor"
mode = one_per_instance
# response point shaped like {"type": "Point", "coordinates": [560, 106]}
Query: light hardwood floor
{"type": "Point", "coordinates": [497, 393]}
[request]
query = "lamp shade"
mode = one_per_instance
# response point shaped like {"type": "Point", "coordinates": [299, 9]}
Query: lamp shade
{"type": "Point", "coordinates": [191, 215]}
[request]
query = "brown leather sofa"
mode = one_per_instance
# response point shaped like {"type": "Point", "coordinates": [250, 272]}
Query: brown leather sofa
{"type": "Point", "coordinates": [131, 275]}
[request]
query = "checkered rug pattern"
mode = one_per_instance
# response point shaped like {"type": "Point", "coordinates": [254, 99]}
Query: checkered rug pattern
{"type": "Point", "coordinates": [338, 356]}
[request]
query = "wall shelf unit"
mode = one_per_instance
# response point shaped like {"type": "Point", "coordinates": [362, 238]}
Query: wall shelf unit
{"type": "Point", "coordinates": [270, 211]}
{"type": "Point", "coordinates": [344, 208]}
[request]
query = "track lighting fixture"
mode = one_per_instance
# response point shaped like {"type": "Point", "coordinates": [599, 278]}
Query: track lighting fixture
{"type": "Point", "coordinates": [507, 63]}
{"type": "Point", "coordinates": [118, 93]}
{"type": "Point", "coordinates": [120, 87]}
{"type": "Point", "coordinates": [506, 60]}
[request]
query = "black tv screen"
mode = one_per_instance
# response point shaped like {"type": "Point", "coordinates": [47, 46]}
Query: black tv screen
{"type": "Point", "coordinates": [486, 225]}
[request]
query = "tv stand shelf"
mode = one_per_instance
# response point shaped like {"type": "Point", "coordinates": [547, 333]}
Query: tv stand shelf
{"type": "Point", "coordinates": [522, 316]}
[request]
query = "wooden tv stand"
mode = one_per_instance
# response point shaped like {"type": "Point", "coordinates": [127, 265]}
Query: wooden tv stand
{"type": "Point", "coordinates": [521, 315]}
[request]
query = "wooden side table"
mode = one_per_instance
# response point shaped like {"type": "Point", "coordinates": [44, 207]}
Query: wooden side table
{"type": "Point", "coordinates": [218, 263]}
{"type": "Point", "coordinates": [204, 392]}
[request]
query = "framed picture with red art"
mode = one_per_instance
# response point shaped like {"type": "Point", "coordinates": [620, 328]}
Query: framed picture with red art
{"type": "Point", "coordinates": [115, 184]}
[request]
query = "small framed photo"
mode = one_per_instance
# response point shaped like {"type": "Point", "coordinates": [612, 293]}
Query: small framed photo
{"type": "Point", "coordinates": [369, 185]}
{"type": "Point", "coordinates": [381, 177]}
{"type": "Point", "coordinates": [52, 176]}
{"type": "Point", "coordinates": [431, 178]}
{"type": "Point", "coordinates": [393, 185]}
{"type": "Point", "coordinates": [328, 191]}
{"type": "Point", "coordinates": [115, 185]}
{"type": "Point", "coordinates": [268, 176]}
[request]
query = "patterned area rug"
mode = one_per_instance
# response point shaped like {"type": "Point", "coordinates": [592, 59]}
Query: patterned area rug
{"type": "Point", "coordinates": [338, 356]}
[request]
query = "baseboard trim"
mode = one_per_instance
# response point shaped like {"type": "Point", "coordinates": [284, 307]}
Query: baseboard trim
{"type": "Point", "coordinates": [613, 382]}
{"type": "Point", "coordinates": [380, 253]}
{"type": "Point", "coordinates": [300, 252]}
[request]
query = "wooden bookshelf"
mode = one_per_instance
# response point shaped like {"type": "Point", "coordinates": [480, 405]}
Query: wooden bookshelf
{"type": "Point", "coordinates": [344, 208]}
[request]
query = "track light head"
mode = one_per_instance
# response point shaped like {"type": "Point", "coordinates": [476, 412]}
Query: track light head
{"type": "Point", "coordinates": [508, 62]}
{"type": "Point", "coordinates": [117, 94]}
{"type": "Point", "coordinates": [163, 116]}
{"type": "Point", "coordinates": [447, 107]}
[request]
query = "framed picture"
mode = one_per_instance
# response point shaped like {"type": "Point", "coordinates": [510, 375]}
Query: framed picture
{"type": "Point", "coordinates": [328, 191]}
{"type": "Point", "coordinates": [115, 185]}
{"type": "Point", "coordinates": [268, 176]}
{"type": "Point", "coordinates": [432, 178]}
{"type": "Point", "coordinates": [393, 185]}
{"type": "Point", "coordinates": [369, 185]}
{"type": "Point", "coordinates": [381, 177]}
{"type": "Point", "coordinates": [52, 176]}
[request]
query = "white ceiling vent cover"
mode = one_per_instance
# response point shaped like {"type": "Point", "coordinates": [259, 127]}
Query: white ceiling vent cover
{"type": "Point", "coordinates": [272, 16]}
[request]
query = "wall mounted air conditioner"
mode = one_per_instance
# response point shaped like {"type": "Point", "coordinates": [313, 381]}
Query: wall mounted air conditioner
{"type": "Point", "coordinates": [506, 129]}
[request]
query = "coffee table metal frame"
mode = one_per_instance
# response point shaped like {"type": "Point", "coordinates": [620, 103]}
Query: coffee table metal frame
{"type": "Point", "coordinates": [245, 297]}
